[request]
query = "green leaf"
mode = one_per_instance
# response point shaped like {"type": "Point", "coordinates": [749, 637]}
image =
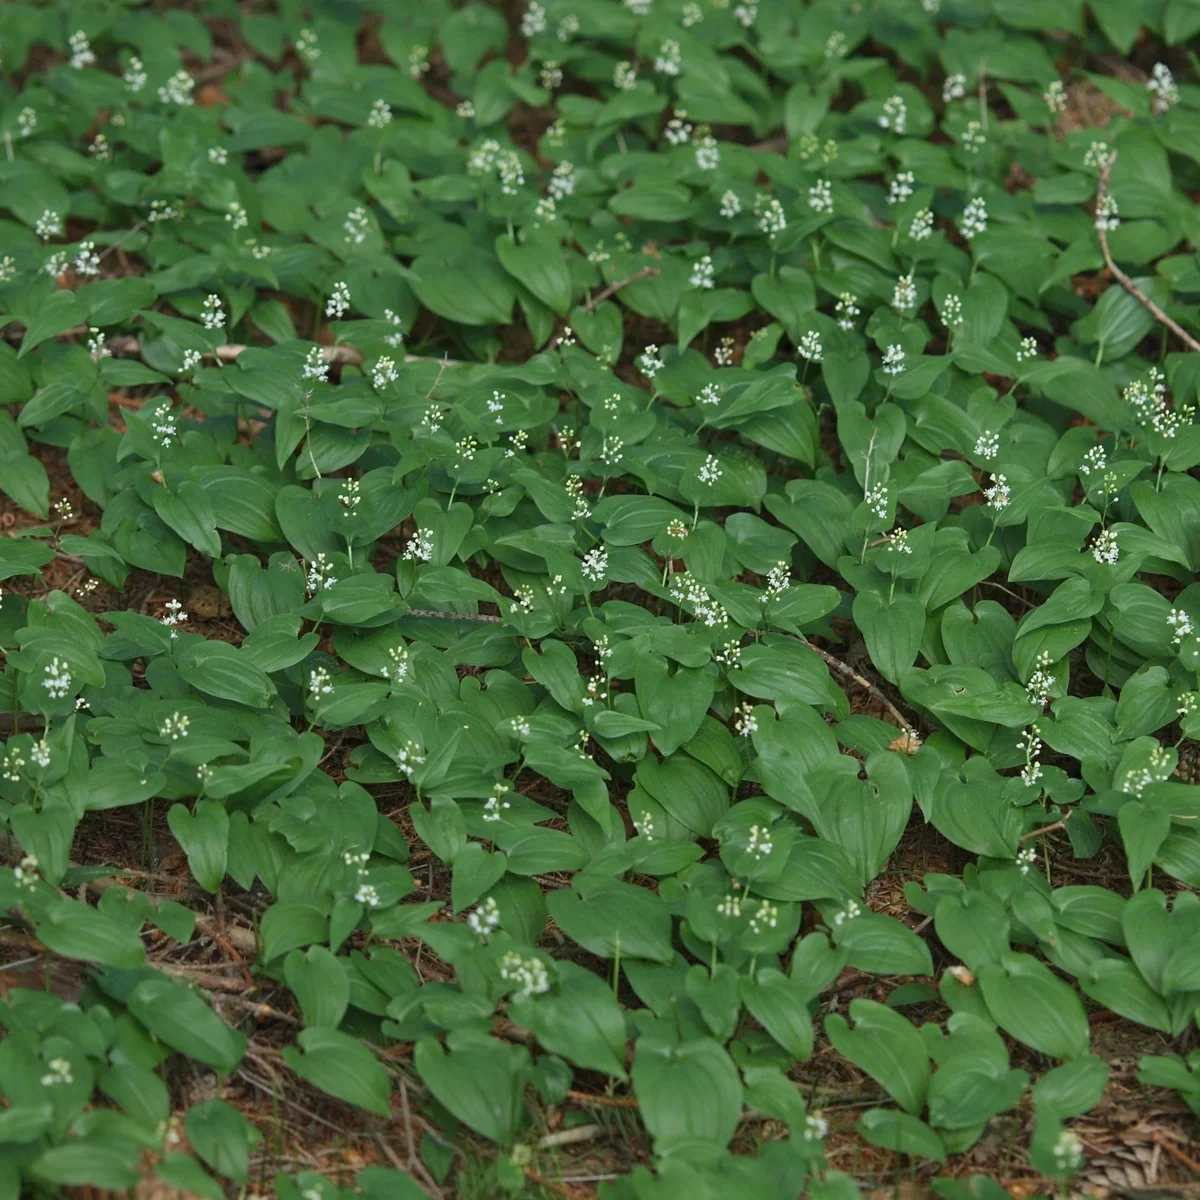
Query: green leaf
{"type": "Point", "coordinates": [539, 264]}
{"type": "Point", "coordinates": [321, 987]}
{"type": "Point", "coordinates": [203, 834]}
{"type": "Point", "coordinates": [780, 1005]}
{"type": "Point", "coordinates": [480, 1081]}
{"type": "Point", "coordinates": [686, 1091]}
{"type": "Point", "coordinates": [178, 1017]}
{"type": "Point", "coordinates": [1035, 1006]}
{"type": "Point", "coordinates": [887, 1047]}
{"type": "Point", "coordinates": [892, 631]}
{"type": "Point", "coordinates": [579, 1019]}
{"type": "Point", "coordinates": [607, 915]}
{"type": "Point", "coordinates": [342, 1066]}
{"type": "Point", "coordinates": [79, 931]}
{"type": "Point", "coordinates": [219, 669]}
{"type": "Point", "coordinates": [901, 1132]}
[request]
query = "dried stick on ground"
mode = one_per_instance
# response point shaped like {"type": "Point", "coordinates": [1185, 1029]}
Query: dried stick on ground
{"type": "Point", "coordinates": [612, 289]}
{"type": "Point", "coordinates": [1119, 275]}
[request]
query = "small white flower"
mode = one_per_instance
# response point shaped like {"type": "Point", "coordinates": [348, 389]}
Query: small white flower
{"type": "Point", "coordinates": [820, 196]}
{"type": "Point", "coordinates": [692, 14]}
{"type": "Point", "coordinates": [997, 494]}
{"type": "Point", "coordinates": [320, 682]}
{"type": "Point", "coordinates": [974, 219]}
{"type": "Point", "coordinates": [338, 304]}
{"type": "Point", "coordinates": [846, 310]}
{"type": "Point", "coordinates": [669, 59]}
{"type": "Point", "coordinates": [954, 88]}
{"type": "Point", "coordinates": [723, 354]}
{"type": "Point", "coordinates": [320, 575]}
{"type": "Point", "coordinates": [778, 580]}
{"type": "Point", "coordinates": [893, 360]}
{"type": "Point", "coordinates": [835, 45]}
{"type": "Point", "coordinates": [745, 723]}
{"type": "Point", "coordinates": [595, 565]}
{"type": "Point", "coordinates": [349, 497]}
{"type": "Point", "coordinates": [173, 616]}
{"type": "Point", "coordinates": [162, 425]}
{"type": "Point", "coordinates": [816, 1128]}
{"type": "Point", "coordinates": [853, 909]}
{"type": "Point", "coordinates": [894, 115]}
{"type": "Point", "coordinates": [922, 225]}
{"type": "Point", "coordinates": [730, 656]}
{"type": "Point", "coordinates": [952, 312]}
{"type": "Point", "coordinates": [81, 51]}
{"type": "Point", "coordinates": [464, 109]}
{"type": "Point", "coordinates": [898, 541]}
{"type": "Point", "coordinates": [677, 529]}
{"type": "Point", "coordinates": [533, 21]}
{"type": "Point", "coordinates": [87, 261]}
{"type": "Point", "coordinates": [383, 373]}
{"type": "Point", "coordinates": [1097, 156]}
{"type": "Point", "coordinates": [1055, 97]}
{"type": "Point", "coordinates": [624, 77]}
{"type": "Point", "coordinates": [702, 273]}
{"type": "Point", "coordinates": [973, 139]}
{"type": "Point", "coordinates": [678, 132]}
{"type": "Point", "coordinates": [236, 216]}
{"type": "Point", "coordinates": [649, 363]}
{"type": "Point", "coordinates": [987, 444]}
{"type": "Point", "coordinates": [48, 225]}
{"type": "Point", "coordinates": [59, 1073]}
{"type": "Point", "coordinates": [397, 671]}
{"type": "Point", "coordinates": [40, 753]}
{"type": "Point", "coordinates": [177, 90]}
{"type": "Point", "coordinates": [1162, 86]}
{"type": "Point", "coordinates": [57, 679]}
{"type": "Point", "coordinates": [708, 154]}
{"type": "Point", "coordinates": [1027, 350]}
{"type": "Point", "coordinates": [530, 973]}
{"type": "Point", "coordinates": [409, 759]}
{"type": "Point", "coordinates": [135, 75]}
{"type": "Point", "coordinates": [356, 226]}
{"type": "Point", "coordinates": [901, 187]}
{"type": "Point", "coordinates": [639, 8]}
{"type": "Point", "coordinates": [1094, 461]}
{"type": "Point", "coordinates": [746, 15]}
{"type": "Point", "coordinates": [562, 181]}
{"type": "Point", "coordinates": [710, 472]}
{"type": "Point", "coordinates": [26, 121]}
{"type": "Point", "coordinates": [876, 499]}
{"type": "Point", "coordinates": [495, 804]}
{"type": "Point", "coordinates": [191, 360]}
{"type": "Point", "coordinates": [1104, 547]}
{"type": "Point", "coordinates": [212, 315]}
{"type": "Point", "coordinates": [367, 895]}
{"type": "Point", "coordinates": [315, 366]}
{"type": "Point", "coordinates": [550, 76]}
{"type": "Point", "coordinates": [1041, 681]}
{"type": "Point", "coordinates": [175, 726]}
{"type": "Point", "coordinates": [1181, 625]}
{"type": "Point", "coordinates": [218, 156]}
{"type": "Point", "coordinates": [810, 346]}
{"type": "Point", "coordinates": [96, 347]}
{"type": "Point", "coordinates": [1107, 213]}
{"type": "Point", "coordinates": [772, 221]}
{"type": "Point", "coordinates": [380, 115]}
{"type": "Point", "coordinates": [1068, 1151]}
{"type": "Point", "coordinates": [730, 907]}
{"type": "Point", "coordinates": [765, 917]}
{"type": "Point", "coordinates": [710, 394]}
{"type": "Point", "coordinates": [904, 294]}
{"type": "Point", "coordinates": [26, 872]}
{"type": "Point", "coordinates": [306, 46]}
{"type": "Point", "coordinates": [730, 204]}
{"type": "Point", "coordinates": [484, 919]}
{"type": "Point", "coordinates": [100, 149]}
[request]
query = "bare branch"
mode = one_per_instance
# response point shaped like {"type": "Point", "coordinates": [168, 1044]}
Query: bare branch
{"type": "Point", "coordinates": [1119, 275]}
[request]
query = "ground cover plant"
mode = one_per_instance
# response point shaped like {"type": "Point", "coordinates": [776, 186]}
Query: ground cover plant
{"type": "Point", "coordinates": [599, 598]}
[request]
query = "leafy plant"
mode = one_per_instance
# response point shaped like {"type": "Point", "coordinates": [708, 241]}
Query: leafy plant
{"type": "Point", "coordinates": [656, 459]}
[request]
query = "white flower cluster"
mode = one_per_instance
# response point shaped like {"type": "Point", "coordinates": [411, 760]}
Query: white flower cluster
{"type": "Point", "coordinates": [175, 726]}
{"type": "Point", "coordinates": [846, 309]}
{"type": "Point", "coordinates": [894, 115]}
{"type": "Point", "coordinates": [997, 494]}
{"type": "Point", "coordinates": [1040, 681]}
{"type": "Point", "coordinates": [687, 590]}
{"type": "Point", "coordinates": [893, 360]}
{"type": "Point", "coordinates": [320, 575]}
{"type": "Point", "coordinates": [987, 444]}
{"type": "Point", "coordinates": [1181, 625]}
{"type": "Point", "coordinates": [529, 972]}
{"type": "Point", "coordinates": [820, 196]}
{"type": "Point", "coordinates": [81, 51]}
{"type": "Point", "coordinates": [173, 615]}
{"type": "Point", "coordinates": [810, 346]}
{"type": "Point", "coordinates": [1104, 547]}
{"type": "Point", "coordinates": [901, 187]}
{"type": "Point", "coordinates": [484, 920]}
{"type": "Point", "coordinates": [974, 219]}
{"type": "Point", "coordinates": [495, 803]}
{"type": "Point", "coordinates": [408, 759]}
{"type": "Point", "coordinates": [1031, 772]}
{"type": "Point", "coordinates": [973, 138]}
{"type": "Point", "coordinates": [1162, 87]}
{"type": "Point", "coordinates": [904, 294]}
{"type": "Point", "coordinates": [338, 304]}
{"type": "Point", "coordinates": [1055, 97]}
{"type": "Point", "coordinates": [954, 88]}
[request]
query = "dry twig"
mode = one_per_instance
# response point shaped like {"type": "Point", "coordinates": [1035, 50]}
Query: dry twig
{"type": "Point", "coordinates": [600, 297]}
{"type": "Point", "coordinates": [1119, 275]}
